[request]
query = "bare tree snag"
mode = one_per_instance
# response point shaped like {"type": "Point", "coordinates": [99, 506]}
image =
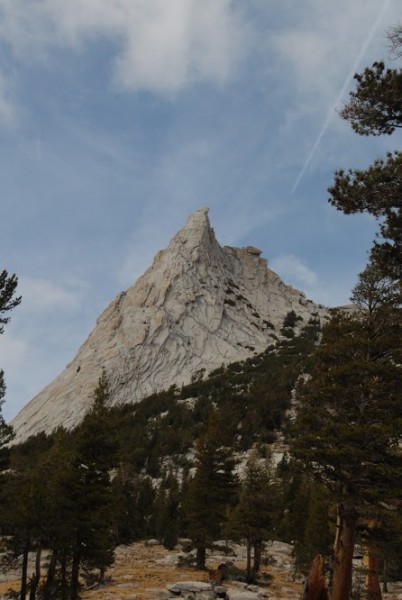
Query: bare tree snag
{"type": "Point", "coordinates": [315, 587]}
{"type": "Point", "coordinates": [371, 566]}
{"type": "Point", "coordinates": [343, 551]}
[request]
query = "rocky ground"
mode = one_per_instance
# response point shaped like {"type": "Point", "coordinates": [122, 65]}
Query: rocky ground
{"type": "Point", "coordinates": [147, 571]}
{"type": "Point", "coordinates": [144, 572]}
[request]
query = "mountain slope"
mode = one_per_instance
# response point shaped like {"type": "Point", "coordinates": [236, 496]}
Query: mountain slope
{"type": "Point", "coordinates": [197, 307]}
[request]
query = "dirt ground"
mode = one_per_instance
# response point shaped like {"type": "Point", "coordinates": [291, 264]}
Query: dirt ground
{"type": "Point", "coordinates": [142, 572]}
{"type": "Point", "coordinates": [139, 572]}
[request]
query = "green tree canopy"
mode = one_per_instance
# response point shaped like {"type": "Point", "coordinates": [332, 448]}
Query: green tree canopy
{"type": "Point", "coordinates": [375, 106]}
{"type": "Point", "coordinates": [211, 490]}
{"type": "Point", "coordinates": [377, 191]}
{"type": "Point", "coordinates": [253, 517]}
{"type": "Point", "coordinates": [8, 300]}
{"type": "Point", "coordinates": [349, 427]}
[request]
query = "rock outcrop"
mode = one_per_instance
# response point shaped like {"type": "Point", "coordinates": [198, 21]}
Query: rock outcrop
{"type": "Point", "coordinates": [197, 307]}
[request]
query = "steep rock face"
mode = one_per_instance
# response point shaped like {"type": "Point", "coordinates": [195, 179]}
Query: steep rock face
{"type": "Point", "coordinates": [197, 307]}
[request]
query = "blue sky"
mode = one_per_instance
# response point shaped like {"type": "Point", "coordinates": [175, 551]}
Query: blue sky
{"type": "Point", "coordinates": [118, 118]}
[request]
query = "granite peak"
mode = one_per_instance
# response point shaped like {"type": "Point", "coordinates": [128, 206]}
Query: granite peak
{"type": "Point", "coordinates": [197, 307]}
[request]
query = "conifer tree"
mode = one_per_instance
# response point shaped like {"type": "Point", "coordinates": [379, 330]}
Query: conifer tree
{"type": "Point", "coordinates": [374, 108]}
{"type": "Point", "coordinates": [377, 191]}
{"type": "Point", "coordinates": [253, 517]}
{"type": "Point", "coordinates": [166, 508]}
{"type": "Point", "coordinates": [133, 505]}
{"type": "Point", "coordinates": [58, 515]}
{"type": "Point", "coordinates": [23, 520]}
{"type": "Point", "coordinates": [90, 492]}
{"type": "Point", "coordinates": [349, 426]}
{"type": "Point", "coordinates": [317, 534]}
{"type": "Point", "coordinates": [23, 516]}
{"type": "Point", "coordinates": [78, 507]}
{"type": "Point", "coordinates": [8, 301]}
{"type": "Point", "coordinates": [210, 491]}
{"type": "Point", "coordinates": [6, 431]}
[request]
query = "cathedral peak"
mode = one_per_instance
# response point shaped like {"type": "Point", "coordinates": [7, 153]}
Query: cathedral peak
{"type": "Point", "coordinates": [197, 307]}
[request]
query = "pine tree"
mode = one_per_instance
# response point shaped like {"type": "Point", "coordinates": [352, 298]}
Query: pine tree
{"type": "Point", "coordinates": [6, 431]}
{"type": "Point", "coordinates": [349, 426]}
{"type": "Point", "coordinates": [23, 513]}
{"type": "Point", "coordinates": [317, 534]}
{"type": "Point", "coordinates": [90, 492]}
{"type": "Point", "coordinates": [167, 511]}
{"type": "Point", "coordinates": [211, 490]}
{"type": "Point", "coordinates": [8, 301]}
{"type": "Point", "coordinates": [377, 191]}
{"type": "Point", "coordinates": [374, 108]}
{"type": "Point", "coordinates": [77, 509]}
{"type": "Point", "coordinates": [59, 514]}
{"type": "Point", "coordinates": [253, 517]}
{"type": "Point", "coordinates": [133, 505]}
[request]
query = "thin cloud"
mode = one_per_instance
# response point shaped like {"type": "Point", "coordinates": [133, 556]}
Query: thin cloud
{"type": "Point", "coordinates": [8, 109]}
{"type": "Point", "coordinates": [14, 352]}
{"type": "Point", "coordinates": [162, 46]}
{"type": "Point", "coordinates": [340, 95]}
{"type": "Point", "coordinates": [293, 270]}
{"type": "Point", "coordinates": [43, 294]}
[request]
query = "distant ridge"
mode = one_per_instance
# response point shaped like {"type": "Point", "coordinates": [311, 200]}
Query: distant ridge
{"type": "Point", "coordinates": [197, 307]}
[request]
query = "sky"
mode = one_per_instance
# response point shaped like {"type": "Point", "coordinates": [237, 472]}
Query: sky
{"type": "Point", "coordinates": [119, 118]}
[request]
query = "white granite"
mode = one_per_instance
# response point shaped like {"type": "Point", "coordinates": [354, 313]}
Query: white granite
{"type": "Point", "coordinates": [197, 307]}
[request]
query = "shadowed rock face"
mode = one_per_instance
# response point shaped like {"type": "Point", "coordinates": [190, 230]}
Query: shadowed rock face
{"type": "Point", "coordinates": [197, 307]}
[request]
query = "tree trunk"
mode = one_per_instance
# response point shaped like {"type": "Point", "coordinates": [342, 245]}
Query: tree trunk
{"type": "Point", "coordinates": [372, 578]}
{"type": "Point", "coordinates": [24, 573]}
{"type": "Point", "coordinates": [248, 564]}
{"type": "Point", "coordinates": [343, 552]}
{"type": "Point", "coordinates": [36, 576]}
{"type": "Point", "coordinates": [64, 586]}
{"type": "Point", "coordinates": [257, 557]}
{"type": "Point", "coordinates": [201, 557]}
{"type": "Point", "coordinates": [371, 565]}
{"type": "Point", "coordinates": [315, 587]}
{"type": "Point", "coordinates": [385, 577]}
{"type": "Point", "coordinates": [75, 574]}
{"type": "Point", "coordinates": [49, 583]}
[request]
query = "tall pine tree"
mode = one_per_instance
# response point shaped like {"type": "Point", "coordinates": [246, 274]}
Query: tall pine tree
{"type": "Point", "coordinates": [253, 518]}
{"type": "Point", "coordinates": [211, 490]}
{"type": "Point", "coordinates": [349, 426]}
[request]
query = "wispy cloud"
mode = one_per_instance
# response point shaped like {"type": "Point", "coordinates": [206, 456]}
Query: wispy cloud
{"type": "Point", "coordinates": [159, 46]}
{"type": "Point", "coordinates": [44, 294]}
{"type": "Point", "coordinates": [292, 269]}
{"type": "Point", "coordinates": [13, 353]}
{"type": "Point", "coordinates": [8, 108]}
{"type": "Point", "coordinates": [335, 104]}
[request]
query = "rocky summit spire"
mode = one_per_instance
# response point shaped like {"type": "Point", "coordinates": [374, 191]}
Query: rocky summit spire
{"type": "Point", "coordinates": [197, 307]}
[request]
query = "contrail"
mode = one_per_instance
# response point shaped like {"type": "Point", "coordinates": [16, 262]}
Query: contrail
{"type": "Point", "coordinates": [340, 95]}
